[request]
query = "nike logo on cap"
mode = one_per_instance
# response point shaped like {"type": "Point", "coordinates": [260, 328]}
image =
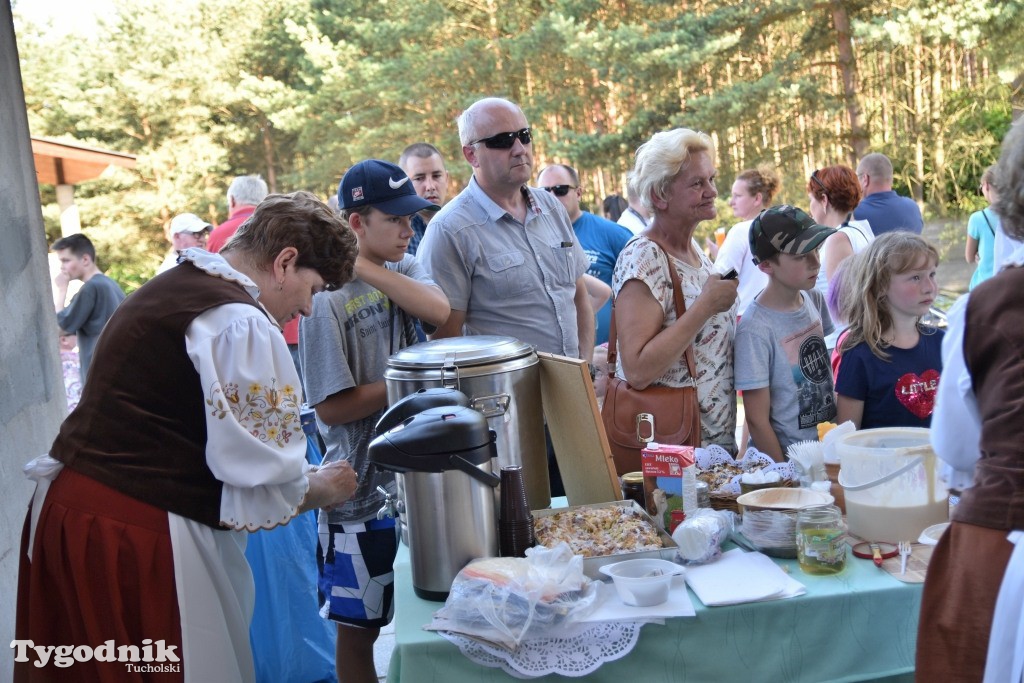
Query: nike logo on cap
{"type": "Point", "coordinates": [397, 184]}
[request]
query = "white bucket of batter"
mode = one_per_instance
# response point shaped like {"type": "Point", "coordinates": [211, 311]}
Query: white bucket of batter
{"type": "Point", "coordinates": [891, 484]}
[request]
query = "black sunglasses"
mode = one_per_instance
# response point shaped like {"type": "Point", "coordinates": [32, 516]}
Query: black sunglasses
{"type": "Point", "coordinates": [559, 190]}
{"type": "Point", "coordinates": [506, 140]}
{"type": "Point", "coordinates": [815, 178]}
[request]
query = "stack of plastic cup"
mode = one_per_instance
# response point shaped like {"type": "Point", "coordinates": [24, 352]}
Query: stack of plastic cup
{"type": "Point", "coordinates": [515, 523]}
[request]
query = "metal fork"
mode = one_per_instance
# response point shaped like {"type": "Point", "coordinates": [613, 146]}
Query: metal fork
{"type": "Point", "coordinates": [905, 551]}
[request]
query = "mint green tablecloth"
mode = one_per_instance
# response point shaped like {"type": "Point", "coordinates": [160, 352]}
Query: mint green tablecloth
{"type": "Point", "coordinates": [855, 626]}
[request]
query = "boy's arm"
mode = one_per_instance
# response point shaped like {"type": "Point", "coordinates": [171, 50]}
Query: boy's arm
{"type": "Point", "coordinates": [76, 314]}
{"type": "Point", "coordinates": [350, 405]}
{"type": "Point", "coordinates": [60, 290]}
{"type": "Point", "coordinates": [419, 299]}
{"type": "Point", "coordinates": [757, 405]}
{"type": "Point", "coordinates": [451, 328]}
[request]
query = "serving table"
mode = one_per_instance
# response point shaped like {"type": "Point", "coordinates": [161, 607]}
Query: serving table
{"type": "Point", "coordinates": [859, 625]}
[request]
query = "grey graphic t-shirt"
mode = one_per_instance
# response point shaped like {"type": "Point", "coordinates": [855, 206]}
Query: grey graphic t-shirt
{"type": "Point", "coordinates": [346, 343]}
{"type": "Point", "coordinates": [786, 352]}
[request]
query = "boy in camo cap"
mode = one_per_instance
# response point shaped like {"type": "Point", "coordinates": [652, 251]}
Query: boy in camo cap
{"type": "Point", "coordinates": [782, 364]}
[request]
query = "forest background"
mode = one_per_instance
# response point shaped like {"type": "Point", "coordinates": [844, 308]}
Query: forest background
{"type": "Point", "coordinates": [298, 90]}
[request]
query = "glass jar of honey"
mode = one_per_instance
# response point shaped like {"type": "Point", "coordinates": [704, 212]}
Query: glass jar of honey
{"type": "Point", "coordinates": [821, 539]}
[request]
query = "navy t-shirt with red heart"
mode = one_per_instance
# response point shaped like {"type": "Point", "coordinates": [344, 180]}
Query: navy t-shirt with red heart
{"type": "Point", "coordinates": [899, 392]}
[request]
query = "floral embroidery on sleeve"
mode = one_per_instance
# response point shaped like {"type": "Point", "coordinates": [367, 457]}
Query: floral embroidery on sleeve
{"type": "Point", "coordinates": [268, 413]}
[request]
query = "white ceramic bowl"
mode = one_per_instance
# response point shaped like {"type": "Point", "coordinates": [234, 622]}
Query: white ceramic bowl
{"type": "Point", "coordinates": [642, 583]}
{"type": "Point", "coordinates": [784, 499]}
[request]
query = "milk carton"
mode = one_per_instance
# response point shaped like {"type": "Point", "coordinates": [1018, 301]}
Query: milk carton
{"type": "Point", "coordinates": [670, 481]}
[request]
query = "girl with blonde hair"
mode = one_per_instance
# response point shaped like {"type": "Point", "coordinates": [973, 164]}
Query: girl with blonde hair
{"type": "Point", "coordinates": [890, 361]}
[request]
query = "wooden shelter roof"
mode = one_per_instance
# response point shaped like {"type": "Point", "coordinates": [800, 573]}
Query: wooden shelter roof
{"type": "Point", "coordinates": [65, 163]}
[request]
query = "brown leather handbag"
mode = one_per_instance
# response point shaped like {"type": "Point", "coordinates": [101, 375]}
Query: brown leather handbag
{"type": "Point", "coordinates": [626, 411]}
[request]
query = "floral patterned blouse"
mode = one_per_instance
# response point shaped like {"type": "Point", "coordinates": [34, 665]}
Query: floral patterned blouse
{"type": "Point", "coordinates": [255, 443]}
{"type": "Point", "coordinates": [644, 260]}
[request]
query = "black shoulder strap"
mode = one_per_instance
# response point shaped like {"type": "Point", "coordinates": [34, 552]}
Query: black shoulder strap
{"type": "Point", "coordinates": [988, 222]}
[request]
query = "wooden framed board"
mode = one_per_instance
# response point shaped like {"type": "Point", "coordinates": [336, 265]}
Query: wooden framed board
{"type": "Point", "coordinates": [574, 421]}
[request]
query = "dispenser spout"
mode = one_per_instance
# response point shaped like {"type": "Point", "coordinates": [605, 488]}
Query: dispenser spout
{"type": "Point", "coordinates": [388, 508]}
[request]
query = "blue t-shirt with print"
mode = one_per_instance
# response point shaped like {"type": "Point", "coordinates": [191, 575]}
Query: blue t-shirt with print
{"type": "Point", "coordinates": [602, 241]}
{"type": "Point", "coordinates": [899, 392]}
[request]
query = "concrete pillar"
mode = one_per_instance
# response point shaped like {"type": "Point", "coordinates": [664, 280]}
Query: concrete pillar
{"type": "Point", "coordinates": [70, 222]}
{"type": "Point", "coordinates": [32, 401]}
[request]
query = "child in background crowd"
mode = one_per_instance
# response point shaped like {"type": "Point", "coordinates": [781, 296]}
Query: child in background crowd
{"type": "Point", "coordinates": [344, 347]}
{"type": "Point", "coordinates": [782, 365]}
{"type": "Point", "coordinates": [69, 363]}
{"type": "Point", "coordinates": [890, 361]}
{"type": "Point", "coordinates": [982, 228]}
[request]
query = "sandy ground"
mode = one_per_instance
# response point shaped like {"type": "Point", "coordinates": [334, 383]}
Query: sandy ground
{"type": "Point", "coordinates": [950, 237]}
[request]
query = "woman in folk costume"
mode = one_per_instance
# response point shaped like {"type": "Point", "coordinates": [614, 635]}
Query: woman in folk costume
{"type": "Point", "coordinates": [971, 626]}
{"type": "Point", "coordinates": [187, 436]}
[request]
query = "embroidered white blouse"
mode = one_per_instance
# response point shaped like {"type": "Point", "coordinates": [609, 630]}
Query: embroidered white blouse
{"type": "Point", "coordinates": [956, 425]}
{"type": "Point", "coordinates": [253, 396]}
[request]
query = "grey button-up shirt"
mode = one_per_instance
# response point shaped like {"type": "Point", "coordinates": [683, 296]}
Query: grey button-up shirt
{"type": "Point", "coordinates": [512, 279]}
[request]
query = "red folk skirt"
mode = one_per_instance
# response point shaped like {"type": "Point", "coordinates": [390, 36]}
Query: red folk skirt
{"type": "Point", "coordinates": [102, 569]}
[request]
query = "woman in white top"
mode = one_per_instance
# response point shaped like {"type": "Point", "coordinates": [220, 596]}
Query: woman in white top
{"type": "Point", "coordinates": [751, 193]}
{"type": "Point", "coordinates": [833, 193]}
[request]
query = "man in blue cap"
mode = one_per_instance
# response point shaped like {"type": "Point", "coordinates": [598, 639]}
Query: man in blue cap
{"type": "Point", "coordinates": [344, 347]}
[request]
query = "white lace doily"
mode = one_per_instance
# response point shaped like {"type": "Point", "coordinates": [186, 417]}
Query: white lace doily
{"type": "Point", "coordinates": [580, 651]}
{"type": "Point", "coordinates": [753, 459]}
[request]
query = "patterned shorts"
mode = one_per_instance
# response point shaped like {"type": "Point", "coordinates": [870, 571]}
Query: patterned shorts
{"type": "Point", "coordinates": [356, 562]}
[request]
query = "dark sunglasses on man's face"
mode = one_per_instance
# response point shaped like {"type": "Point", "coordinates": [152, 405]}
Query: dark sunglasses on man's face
{"type": "Point", "coordinates": [559, 190]}
{"type": "Point", "coordinates": [506, 140]}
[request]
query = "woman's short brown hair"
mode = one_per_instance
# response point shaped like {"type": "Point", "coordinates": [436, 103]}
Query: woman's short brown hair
{"type": "Point", "coordinates": [323, 240]}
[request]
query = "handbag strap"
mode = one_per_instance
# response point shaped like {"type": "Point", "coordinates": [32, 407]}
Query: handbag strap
{"type": "Point", "coordinates": [680, 304]}
{"type": "Point", "coordinates": [983, 215]}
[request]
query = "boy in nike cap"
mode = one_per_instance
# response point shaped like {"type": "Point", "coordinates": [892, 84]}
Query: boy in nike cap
{"type": "Point", "coordinates": [782, 364]}
{"type": "Point", "coordinates": [344, 347]}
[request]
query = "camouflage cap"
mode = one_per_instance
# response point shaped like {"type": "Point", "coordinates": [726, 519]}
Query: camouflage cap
{"type": "Point", "coordinates": [785, 229]}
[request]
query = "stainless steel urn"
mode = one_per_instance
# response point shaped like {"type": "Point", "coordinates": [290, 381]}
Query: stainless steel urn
{"type": "Point", "coordinates": [501, 377]}
{"type": "Point", "coordinates": [442, 458]}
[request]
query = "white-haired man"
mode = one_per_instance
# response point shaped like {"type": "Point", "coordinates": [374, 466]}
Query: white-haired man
{"type": "Point", "coordinates": [244, 194]}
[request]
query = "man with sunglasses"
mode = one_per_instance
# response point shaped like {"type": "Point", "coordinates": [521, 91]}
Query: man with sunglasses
{"type": "Point", "coordinates": [601, 239]}
{"type": "Point", "coordinates": [881, 206]}
{"type": "Point", "coordinates": [505, 253]}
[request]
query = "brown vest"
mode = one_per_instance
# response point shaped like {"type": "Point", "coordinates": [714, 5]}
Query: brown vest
{"type": "Point", "coordinates": [994, 351]}
{"type": "Point", "coordinates": [140, 427]}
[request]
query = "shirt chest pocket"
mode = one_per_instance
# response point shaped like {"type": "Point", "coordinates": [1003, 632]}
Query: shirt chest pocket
{"type": "Point", "coordinates": [508, 273]}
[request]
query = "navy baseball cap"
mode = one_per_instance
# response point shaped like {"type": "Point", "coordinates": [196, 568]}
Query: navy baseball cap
{"type": "Point", "coordinates": [383, 186]}
{"type": "Point", "coordinates": [785, 229]}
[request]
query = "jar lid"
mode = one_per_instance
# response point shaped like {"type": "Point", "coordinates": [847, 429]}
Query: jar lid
{"type": "Point", "coordinates": [633, 478]}
{"type": "Point", "coordinates": [460, 351]}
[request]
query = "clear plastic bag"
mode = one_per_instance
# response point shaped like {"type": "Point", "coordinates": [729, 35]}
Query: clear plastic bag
{"type": "Point", "coordinates": [507, 599]}
{"type": "Point", "coordinates": [701, 535]}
